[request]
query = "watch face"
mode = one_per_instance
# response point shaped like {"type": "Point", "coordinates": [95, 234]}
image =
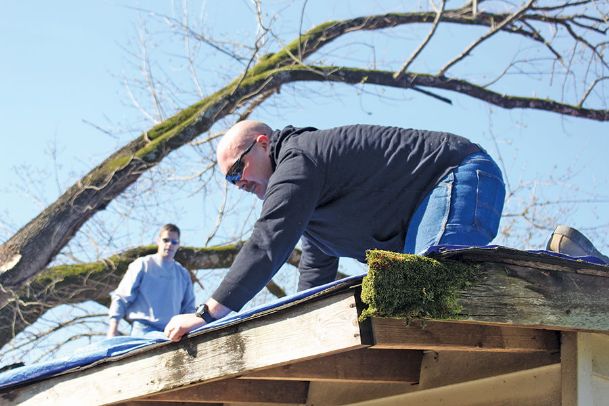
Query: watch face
{"type": "Point", "coordinates": [203, 312]}
{"type": "Point", "coordinates": [200, 310]}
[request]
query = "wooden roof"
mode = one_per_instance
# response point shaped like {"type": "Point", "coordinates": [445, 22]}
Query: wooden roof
{"type": "Point", "coordinates": [534, 332]}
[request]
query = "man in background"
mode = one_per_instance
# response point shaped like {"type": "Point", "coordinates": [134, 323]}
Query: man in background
{"type": "Point", "coordinates": [154, 289]}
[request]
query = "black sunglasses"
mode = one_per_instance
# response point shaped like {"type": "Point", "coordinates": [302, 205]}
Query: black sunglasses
{"type": "Point", "coordinates": [236, 170]}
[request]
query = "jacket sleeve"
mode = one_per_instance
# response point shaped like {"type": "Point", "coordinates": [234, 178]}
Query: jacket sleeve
{"type": "Point", "coordinates": [127, 290]}
{"type": "Point", "coordinates": [316, 268]}
{"type": "Point", "coordinates": [188, 300]}
{"type": "Point", "coordinates": [290, 199]}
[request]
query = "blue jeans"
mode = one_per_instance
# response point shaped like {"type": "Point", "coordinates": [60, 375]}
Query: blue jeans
{"type": "Point", "coordinates": [463, 209]}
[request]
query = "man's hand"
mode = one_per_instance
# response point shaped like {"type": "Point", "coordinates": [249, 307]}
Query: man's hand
{"type": "Point", "coordinates": [182, 324]}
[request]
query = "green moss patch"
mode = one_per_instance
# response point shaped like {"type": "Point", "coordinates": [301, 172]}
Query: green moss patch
{"type": "Point", "coordinates": [413, 286]}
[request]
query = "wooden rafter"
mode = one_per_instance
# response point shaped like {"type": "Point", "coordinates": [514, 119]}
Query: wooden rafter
{"type": "Point", "coordinates": [458, 336]}
{"type": "Point", "coordinates": [363, 365]}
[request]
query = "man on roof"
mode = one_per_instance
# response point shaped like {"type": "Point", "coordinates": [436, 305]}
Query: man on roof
{"type": "Point", "coordinates": [345, 190]}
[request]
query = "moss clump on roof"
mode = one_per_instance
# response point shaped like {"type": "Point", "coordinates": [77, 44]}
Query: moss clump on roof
{"type": "Point", "coordinates": [412, 286]}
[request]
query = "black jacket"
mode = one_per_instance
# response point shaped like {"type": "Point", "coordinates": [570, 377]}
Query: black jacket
{"type": "Point", "coordinates": [343, 191]}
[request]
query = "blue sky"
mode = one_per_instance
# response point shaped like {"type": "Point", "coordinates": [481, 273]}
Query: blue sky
{"type": "Point", "coordinates": [59, 62]}
{"type": "Point", "coordinates": [62, 75]}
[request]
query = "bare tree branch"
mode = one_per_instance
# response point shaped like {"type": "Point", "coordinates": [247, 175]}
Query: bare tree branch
{"type": "Point", "coordinates": [490, 33]}
{"type": "Point", "coordinates": [589, 90]}
{"type": "Point", "coordinates": [385, 78]}
{"type": "Point", "coordinates": [398, 75]}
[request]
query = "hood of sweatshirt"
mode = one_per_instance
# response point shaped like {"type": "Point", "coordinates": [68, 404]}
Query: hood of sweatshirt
{"type": "Point", "coordinates": [279, 137]}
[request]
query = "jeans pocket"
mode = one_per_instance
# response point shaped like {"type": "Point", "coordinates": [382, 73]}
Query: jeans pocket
{"type": "Point", "coordinates": [490, 195]}
{"type": "Point", "coordinates": [429, 221]}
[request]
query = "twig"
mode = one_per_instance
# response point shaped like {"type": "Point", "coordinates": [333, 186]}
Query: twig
{"type": "Point", "coordinates": [484, 37]}
{"type": "Point", "coordinates": [436, 21]}
{"type": "Point", "coordinates": [220, 215]}
{"type": "Point", "coordinates": [430, 94]}
{"type": "Point", "coordinates": [589, 90]}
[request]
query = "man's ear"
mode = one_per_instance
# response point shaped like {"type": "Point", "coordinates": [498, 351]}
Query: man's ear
{"type": "Point", "coordinates": [263, 140]}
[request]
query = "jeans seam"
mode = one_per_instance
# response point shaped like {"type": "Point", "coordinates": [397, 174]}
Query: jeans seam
{"type": "Point", "coordinates": [446, 215]}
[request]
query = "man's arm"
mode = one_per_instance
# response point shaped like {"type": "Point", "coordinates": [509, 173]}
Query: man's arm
{"type": "Point", "coordinates": [188, 304]}
{"type": "Point", "coordinates": [124, 294]}
{"type": "Point", "coordinates": [112, 328]}
{"type": "Point", "coordinates": [316, 268]}
{"type": "Point", "coordinates": [291, 198]}
{"type": "Point", "coordinates": [292, 195]}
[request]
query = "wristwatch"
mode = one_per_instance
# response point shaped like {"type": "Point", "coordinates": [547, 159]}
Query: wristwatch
{"type": "Point", "coordinates": [203, 312]}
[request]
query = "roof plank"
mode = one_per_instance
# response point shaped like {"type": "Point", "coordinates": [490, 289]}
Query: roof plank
{"type": "Point", "coordinates": [524, 296]}
{"type": "Point", "coordinates": [450, 367]}
{"type": "Point", "coordinates": [393, 333]}
{"type": "Point", "coordinates": [239, 390]}
{"type": "Point", "coordinates": [495, 286]}
{"type": "Point", "coordinates": [159, 403]}
{"type": "Point", "coordinates": [364, 365]}
{"type": "Point", "coordinates": [325, 326]}
{"type": "Point", "coordinates": [341, 393]}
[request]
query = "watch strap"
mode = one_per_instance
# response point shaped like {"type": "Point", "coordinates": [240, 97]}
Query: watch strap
{"type": "Point", "coordinates": [203, 312]}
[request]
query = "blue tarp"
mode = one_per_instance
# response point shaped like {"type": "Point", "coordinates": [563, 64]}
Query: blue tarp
{"type": "Point", "coordinates": [497, 250]}
{"type": "Point", "coordinates": [84, 356]}
{"type": "Point", "coordinates": [117, 346]}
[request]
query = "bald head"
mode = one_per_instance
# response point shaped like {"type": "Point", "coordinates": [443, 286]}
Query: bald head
{"type": "Point", "coordinates": [237, 139]}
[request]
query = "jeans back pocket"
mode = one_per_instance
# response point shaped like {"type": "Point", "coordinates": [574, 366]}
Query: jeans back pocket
{"type": "Point", "coordinates": [489, 202]}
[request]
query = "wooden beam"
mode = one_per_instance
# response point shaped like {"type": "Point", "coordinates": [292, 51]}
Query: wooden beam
{"type": "Point", "coordinates": [561, 299]}
{"type": "Point", "coordinates": [585, 369]}
{"type": "Point", "coordinates": [237, 390]}
{"type": "Point", "coordinates": [514, 290]}
{"type": "Point", "coordinates": [341, 393]}
{"type": "Point", "coordinates": [160, 403]}
{"type": "Point", "coordinates": [459, 336]}
{"type": "Point", "coordinates": [362, 365]}
{"type": "Point", "coordinates": [450, 367]}
{"type": "Point", "coordinates": [532, 387]}
{"type": "Point", "coordinates": [316, 328]}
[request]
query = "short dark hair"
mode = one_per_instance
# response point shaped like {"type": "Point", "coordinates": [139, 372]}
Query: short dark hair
{"type": "Point", "coordinates": [170, 228]}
